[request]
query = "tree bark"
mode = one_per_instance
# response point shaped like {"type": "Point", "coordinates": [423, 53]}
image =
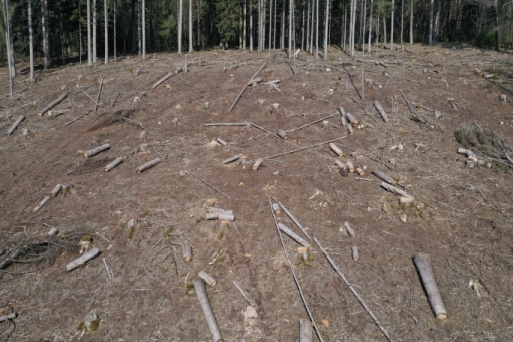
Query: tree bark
{"type": "Point", "coordinates": [326, 30]}
{"type": "Point", "coordinates": [180, 13]}
{"type": "Point", "coordinates": [94, 31]}
{"type": "Point", "coordinates": [106, 28]}
{"type": "Point", "coordinates": [89, 52]}
{"type": "Point", "coordinates": [46, 43]}
{"type": "Point", "coordinates": [421, 261]}
{"type": "Point", "coordinates": [31, 41]}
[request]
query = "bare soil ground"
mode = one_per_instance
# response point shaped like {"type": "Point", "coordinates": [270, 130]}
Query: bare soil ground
{"type": "Point", "coordinates": [462, 217]}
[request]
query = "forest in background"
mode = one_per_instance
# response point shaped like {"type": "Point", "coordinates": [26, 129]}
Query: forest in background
{"type": "Point", "coordinates": [60, 27]}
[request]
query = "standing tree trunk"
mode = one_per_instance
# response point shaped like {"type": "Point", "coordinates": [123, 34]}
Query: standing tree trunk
{"type": "Point", "coordinates": [430, 33]}
{"type": "Point", "coordinates": [290, 52]}
{"type": "Point", "coordinates": [106, 24]}
{"type": "Point", "coordinates": [94, 31]}
{"type": "Point", "coordinates": [115, 41]}
{"type": "Point", "coordinates": [274, 24]}
{"type": "Point", "coordinates": [344, 35]}
{"type": "Point", "coordinates": [392, 26]}
{"type": "Point", "coordinates": [190, 25]}
{"type": "Point", "coordinates": [251, 26]}
{"type": "Point", "coordinates": [308, 27]}
{"type": "Point", "coordinates": [139, 29]}
{"type": "Point", "coordinates": [282, 26]}
{"type": "Point", "coordinates": [46, 43]}
{"type": "Point", "coordinates": [384, 31]}
{"type": "Point", "coordinates": [180, 28]}
{"type": "Point", "coordinates": [402, 22]}
{"type": "Point", "coordinates": [411, 22]}
{"type": "Point", "coordinates": [270, 23]}
{"type": "Point", "coordinates": [244, 25]}
{"type": "Point", "coordinates": [259, 43]}
{"type": "Point", "coordinates": [326, 30]}
{"type": "Point", "coordinates": [497, 48]}
{"type": "Point", "coordinates": [352, 21]}
{"type": "Point", "coordinates": [8, 42]}
{"type": "Point", "coordinates": [370, 26]}
{"type": "Point", "coordinates": [143, 26]}
{"type": "Point", "coordinates": [317, 30]}
{"type": "Point", "coordinates": [89, 55]}
{"type": "Point", "coordinates": [31, 41]}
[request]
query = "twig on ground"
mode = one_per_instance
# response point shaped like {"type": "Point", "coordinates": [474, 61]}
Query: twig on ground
{"type": "Point", "coordinates": [210, 185]}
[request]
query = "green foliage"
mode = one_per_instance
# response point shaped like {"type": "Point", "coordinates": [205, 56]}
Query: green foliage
{"type": "Point", "coordinates": [228, 19]}
{"type": "Point", "coordinates": [485, 40]}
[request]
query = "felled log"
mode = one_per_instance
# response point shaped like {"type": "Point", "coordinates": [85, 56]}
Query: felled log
{"type": "Point", "coordinates": [356, 255]}
{"type": "Point", "coordinates": [207, 278]}
{"type": "Point", "coordinates": [381, 175]}
{"type": "Point", "coordinates": [276, 208]}
{"type": "Point", "coordinates": [54, 231]}
{"type": "Point", "coordinates": [305, 330]}
{"type": "Point", "coordinates": [341, 164]}
{"type": "Point", "coordinates": [113, 164]}
{"type": "Point", "coordinates": [360, 171]}
{"type": "Point", "coordinates": [254, 81]}
{"type": "Point", "coordinates": [168, 76]}
{"type": "Point", "coordinates": [201, 291]}
{"type": "Point", "coordinates": [257, 164]}
{"type": "Point", "coordinates": [53, 104]}
{"type": "Point", "coordinates": [421, 261]}
{"type": "Point", "coordinates": [42, 203]}
{"type": "Point", "coordinates": [232, 159]}
{"type": "Point", "coordinates": [349, 229]}
{"type": "Point", "coordinates": [293, 235]}
{"type": "Point", "coordinates": [56, 190]}
{"type": "Point", "coordinates": [381, 111]}
{"type": "Point", "coordinates": [349, 129]}
{"type": "Point", "coordinates": [147, 166]}
{"type": "Point", "coordinates": [89, 255]}
{"type": "Point", "coordinates": [282, 134]}
{"type": "Point", "coordinates": [395, 190]}
{"type": "Point", "coordinates": [343, 120]}
{"type": "Point", "coordinates": [342, 111]}
{"type": "Point", "coordinates": [15, 125]}
{"type": "Point", "coordinates": [468, 153]}
{"type": "Point", "coordinates": [96, 150]}
{"type": "Point", "coordinates": [336, 149]}
{"type": "Point", "coordinates": [350, 166]}
{"type": "Point", "coordinates": [226, 217]}
{"type": "Point", "coordinates": [293, 218]}
{"type": "Point", "coordinates": [220, 214]}
{"type": "Point", "coordinates": [8, 317]}
{"type": "Point", "coordinates": [221, 141]}
{"type": "Point", "coordinates": [351, 119]}
{"type": "Point", "coordinates": [186, 251]}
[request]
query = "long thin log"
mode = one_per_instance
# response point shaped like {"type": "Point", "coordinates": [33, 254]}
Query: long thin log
{"type": "Point", "coordinates": [56, 190]}
{"type": "Point", "coordinates": [294, 219]}
{"type": "Point", "coordinates": [232, 159]}
{"type": "Point", "coordinates": [163, 79]}
{"type": "Point", "coordinates": [305, 330]}
{"type": "Point", "coordinates": [421, 261]}
{"type": "Point", "coordinates": [243, 89]}
{"type": "Point", "coordinates": [8, 317]}
{"type": "Point", "coordinates": [201, 291]}
{"type": "Point", "coordinates": [294, 274]}
{"type": "Point", "coordinates": [98, 97]}
{"type": "Point", "coordinates": [210, 185]}
{"type": "Point", "coordinates": [381, 111]}
{"type": "Point", "coordinates": [207, 278]}
{"type": "Point", "coordinates": [293, 235]}
{"type": "Point", "coordinates": [113, 164]}
{"type": "Point", "coordinates": [246, 297]}
{"type": "Point", "coordinates": [96, 150]}
{"type": "Point", "coordinates": [42, 203]}
{"type": "Point", "coordinates": [89, 255]}
{"type": "Point", "coordinates": [395, 190]}
{"type": "Point", "coordinates": [53, 104]}
{"type": "Point", "coordinates": [148, 165]}
{"type": "Point", "coordinates": [311, 123]}
{"type": "Point", "coordinates": [332, 263]}
{"type": "Point", "coordinates": [303, 148]}
{"type": "Point", "coordinates": [16, 124]}
{"type": "Point", "coordinates": [381, 175]}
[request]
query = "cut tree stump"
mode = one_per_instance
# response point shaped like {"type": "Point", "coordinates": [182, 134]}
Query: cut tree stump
{"type": "Point", "coordinates": [257, 164]}
{"type": "Point", "coordinates": [53, 104]}
{"type": "Point", "coordinates": [421, 261]}
{"type": "Point", "coordinates": [381, 111]}
{"type": "Point", "coordinates": [381, 175]}
{"type": "Point", "coordinates": [42, 203]}
{"type": "Point", "coordinates": [113, 164]}
{"type": "Point", "coordinates": [186, 251]}
{"type": "Point", "coordinates": [305, 330]}
{"type": "Point", "coordinates": [15, 125]}
{"type": "Point", "coordinates": [147, 166]}
{"type": "Point", "coordinates": [96, 150]}
{"type": "Point", "coordinates": [293, 235]}
{"type": "Point", "coordinates": [89, 255]}
{"type": "Point", "coordinates": [207, 278]}
{"type": "Point", "coordinates": [201, 291]}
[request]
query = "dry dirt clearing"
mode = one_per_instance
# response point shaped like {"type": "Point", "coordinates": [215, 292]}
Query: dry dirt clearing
{"type": "Point", "coordinates": [437, 99]}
